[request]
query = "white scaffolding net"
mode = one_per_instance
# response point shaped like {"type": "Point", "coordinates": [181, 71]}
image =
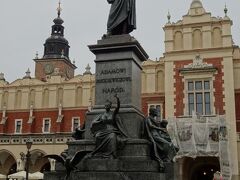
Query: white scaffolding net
{"type": "Point", "coordinates": [202, 136]}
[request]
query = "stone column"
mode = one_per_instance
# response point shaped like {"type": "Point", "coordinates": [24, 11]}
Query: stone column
{"type": "Point", "coordinates": [20, 165]}
{"type": "Point", "coordinates": [52, 164]}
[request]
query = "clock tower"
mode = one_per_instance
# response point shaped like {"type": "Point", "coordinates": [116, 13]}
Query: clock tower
{"type": "Point", "coordinates": [56, 54]}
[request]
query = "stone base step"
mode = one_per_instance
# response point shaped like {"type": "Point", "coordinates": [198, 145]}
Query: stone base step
{"type": "Point", "coordinates": [126, 165]}
{"type": "Point", "coordinates": [117, 176]}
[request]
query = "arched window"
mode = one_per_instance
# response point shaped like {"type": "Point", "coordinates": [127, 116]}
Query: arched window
{"type": "Point", "coordinates": [217, 37]}
{"type": "Point", "coordinates": [178, 41]}
{"type": "Point", "coordinates": [197, 39]}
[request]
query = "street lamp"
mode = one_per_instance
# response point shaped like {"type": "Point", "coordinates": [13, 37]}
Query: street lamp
{"type": "Point", "coordinates": [28, 155]}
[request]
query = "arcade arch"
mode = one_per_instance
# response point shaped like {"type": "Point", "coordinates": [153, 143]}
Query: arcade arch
{"type": "Point", "coordinates": [38, 163]}
{"type": "Point", "coordinates": [199, 168]}
{"type": "Point", "coordinates": [8, 163]}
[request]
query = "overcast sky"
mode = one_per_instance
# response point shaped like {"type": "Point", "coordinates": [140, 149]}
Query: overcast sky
{"type": "Point", "coordinates": [26, 24]}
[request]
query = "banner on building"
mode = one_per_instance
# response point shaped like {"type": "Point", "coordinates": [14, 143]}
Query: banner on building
{"type": "Point", "coordinates": [202, 136]}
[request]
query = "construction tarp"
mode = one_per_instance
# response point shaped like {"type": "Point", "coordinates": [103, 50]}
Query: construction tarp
{"type": "Point", "coordinates": [202, 136]}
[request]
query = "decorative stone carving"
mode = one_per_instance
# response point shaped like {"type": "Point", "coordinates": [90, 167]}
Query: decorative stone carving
{"type": "Point", "coordinates": [31, 117]}
{"type": "Point", "coordinates": [60, 116]}
{"type": "Point", "coordinates": [4, 118]}
{"type": "Point", "coordinates": [198, 65]}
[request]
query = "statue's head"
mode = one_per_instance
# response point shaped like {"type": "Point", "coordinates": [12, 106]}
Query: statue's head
{"type": "Point", "coordinates": [153, 111]}
{"type": "Point", "coordinates": [108, 105]}
{"type": "Point", "coordinates": [164, 123]}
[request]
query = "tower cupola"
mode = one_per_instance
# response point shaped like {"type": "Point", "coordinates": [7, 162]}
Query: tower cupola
{"type": "Point", "coordinates": [56, 54]}
{"type": "Point", "coordinates": [56, 46]}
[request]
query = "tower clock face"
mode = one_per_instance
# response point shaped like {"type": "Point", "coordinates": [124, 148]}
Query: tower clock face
{"type": "Point", "coordinates": [48, 68]}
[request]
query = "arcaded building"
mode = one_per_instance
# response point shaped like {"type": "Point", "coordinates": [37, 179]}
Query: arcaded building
{"type": "Point", "coordinates": [199, 72]}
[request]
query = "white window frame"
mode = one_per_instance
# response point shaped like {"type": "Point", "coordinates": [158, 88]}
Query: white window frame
{"type": "Point", "coordinates": [157, 104]}
{"type": "Point", "coordinates": [43, 125]}
{"type": "Point", "coordinates": [79, 122]}
{"type": "Point", "coordinates": [212, 111]}
{"type": "Point", "coordinates": [15, 131]}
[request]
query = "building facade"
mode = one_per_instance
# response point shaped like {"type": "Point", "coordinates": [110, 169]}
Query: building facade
{"type": "Point", "coordinates": [198, 73]}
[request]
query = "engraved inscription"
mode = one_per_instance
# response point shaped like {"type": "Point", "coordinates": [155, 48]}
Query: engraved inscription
{"type": "Point", "coordinates": [114, 77]}
{"type": "Point", "coordinates": [113, 80]}
{"type": "Point", "coordinates": [113, 90]}
{"type": "Point", "coordinates": [113, 71]}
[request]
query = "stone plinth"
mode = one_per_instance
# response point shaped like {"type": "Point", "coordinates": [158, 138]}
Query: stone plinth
{"type": "Point", "coordinates": [134, 148]}
{"type": "Point", "coordinates": [132, 120]}
{"type": "Point", "coordinates": [118, 70]}
{"type": "Point", "coordinates": [117, 176]}
{"type": "Point", "coordinates": [54, 175]}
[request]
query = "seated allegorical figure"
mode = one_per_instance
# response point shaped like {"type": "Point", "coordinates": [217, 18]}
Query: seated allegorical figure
{"type": "Point", "coordinates": [163, 148]}
{"type": "Point", "coordinates": [109, 132]}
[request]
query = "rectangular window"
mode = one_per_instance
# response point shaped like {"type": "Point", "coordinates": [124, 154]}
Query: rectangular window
{"type": "Point", "coordinates": [191, 103]}
{"type": "Point", "coordinates": [18, 126]}
{"type": "Point", "coordinates": [198, 85]}
{"type": "Point", "coordinates": [199, 103]}
{"type": "Point", "coordinates": [159, 109]}
{"type": "Point", "coordinates": [207, 103]}
{"type": "Point", "coordinates": [75, 123]}
{"type": "Point", "coordinates": [199, 97]}
{"type": "Point", "coordinates": [190, 86]}
{"type": "Point", "coordinates": [206, 85]}
{"type": "Point", "coordinates": [46, 125]}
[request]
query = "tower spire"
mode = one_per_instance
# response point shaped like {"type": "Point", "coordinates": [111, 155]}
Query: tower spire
{"type": "Point", "coordinates": [225, 10]}
{"type": "Point", "coordinates": [56, 46]}
{"type": "Point", "coordinates": [59, 9]}
{"type": "Point", "coordinates": [169, 17]}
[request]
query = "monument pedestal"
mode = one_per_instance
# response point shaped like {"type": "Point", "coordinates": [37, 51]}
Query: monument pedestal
{"type": "Point", "coordinates": [118, 71]}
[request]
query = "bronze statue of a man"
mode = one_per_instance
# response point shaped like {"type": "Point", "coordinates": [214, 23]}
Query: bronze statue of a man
{"type": "Point", "coordinates": [122, 17]}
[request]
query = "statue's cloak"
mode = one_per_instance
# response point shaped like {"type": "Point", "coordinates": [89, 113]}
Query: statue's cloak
{"type": "Point", "coordinates": [108, 138]}
{"type": "Point", "coordinates": [120, 11]}
{"type": "Point", "coordinates": [162, 146]}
